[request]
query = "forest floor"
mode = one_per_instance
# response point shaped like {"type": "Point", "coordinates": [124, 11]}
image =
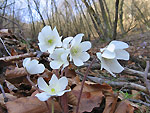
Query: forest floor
{"type": "Point", "coordinates": [127, 93]}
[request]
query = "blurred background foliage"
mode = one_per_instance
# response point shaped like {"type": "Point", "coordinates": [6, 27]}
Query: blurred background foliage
{"type": "Point", "coordinates": [100, 20]}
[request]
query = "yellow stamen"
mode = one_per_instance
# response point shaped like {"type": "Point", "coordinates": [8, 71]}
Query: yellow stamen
{"type": "Point", "coordinates": [53, 90]}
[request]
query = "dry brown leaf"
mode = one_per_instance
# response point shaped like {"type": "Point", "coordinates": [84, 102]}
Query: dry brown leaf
{"type": "Point", "coordinates": [9, 96]}
{"type": "Point", "coordinates": [15, 73]}
{"type": "Point", "coordinates": [30, 105]}
{"type": "Point", "coordinates": [70, 73]}
{"type": "Point", "coordinates": [72, 99]}
{"type": "Point", "coordinates": [91, 97]}
{"type": "Point", "coordinates": [124, 107]}
{"type": "Point", "coordinates": [89, 100]}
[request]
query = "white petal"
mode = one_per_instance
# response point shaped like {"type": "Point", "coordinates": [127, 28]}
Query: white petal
{"type": "Point", "coordinates": [42, 84]}
{"type": "Point", "coordinates": [108, 54]}
{"type": "Point", "coordinates": [41, 38]}
{"type": "Point", "coordinates": [86, 45]}
{"type": "Point", "coordinates": [34, 68]}
{"type": "Point", "coordinates": [77, 39]}
{"type": "Point", "coordinates": [65, 65]}
{"type": "Point", "coordinates": [54, 80]}
{"type": "Point", "coordinates": [51, 49]}
{"type": "Point", "coordinates": [43, 47]}
{"type": "Point", "coordinates": [114, 65]}
{"type": "Point", "coordinates": [64, 56]}
{"type": "Point", "coordinates": [26, 61]}
{"type": "Point", "coordinates": [66, 42]}
{"type": "Point", "coordinates": [122, 54]}
{"type": "Point", "coordinates": [55, 32]}
{"type": "Point", "coordinates": [40, 68]}
{"type": "Point", "coordinates": [119, 44]}
{"type": "Point", "coordinates": [62, 92]}
{"type": "Point", "coordinates": [34, 62]}
{"type": "Point", "coordinates": [57, 53]}
{"type": "Point", "coordinates": [43, 96]}
{"type": "Point", "coordinates": [84, 56]}
{"type": "Point", "coordinates": [46, 30]}
{"type": "Point", "coordinates": [98, 54]}
{"type": "Point", "coordinates": [77, 61]}
{"type": "Point", "coordinates": [55, 64]}
{"type": "Point", "coordinates": [64, 59]}
{"type": "Point", "coordinates": [105, 66]}
{"type": "Point", "coordinates": [63, 82]}
{"type": "Point", "coordinates": [111, 47]}
{"type": "Point", "coordinates": [59, 43]}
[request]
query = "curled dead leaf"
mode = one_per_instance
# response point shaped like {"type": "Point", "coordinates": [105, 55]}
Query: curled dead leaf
{"type": "Point", "coordinates": [15, 73]}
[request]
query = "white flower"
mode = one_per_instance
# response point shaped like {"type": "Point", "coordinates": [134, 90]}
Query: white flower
{"type": "Point", "coordinates": [110, 54]}
{"type": "Point", "coordinates": [56, 87]}
{"type": "Point", "coordinates": [59, 57]}
{"type": "Point", "coordinates": [49, 39]}
{"type": "Point", "coordinates": [78, 50]}
{"type": "Point", "coordinates": [33, 66]}
{"type": "Point", "coordinates": [66, 42]}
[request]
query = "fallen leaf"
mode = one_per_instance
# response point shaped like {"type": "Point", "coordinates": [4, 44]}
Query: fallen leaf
{"type": "Point", "coordinates": [31, 105]}
{"type": "Point", "coordinates": [124, 107]}
{"type": "Point", "coordinates": [9, 96]}
{"type": "Point", "coordinates": [15, 73]}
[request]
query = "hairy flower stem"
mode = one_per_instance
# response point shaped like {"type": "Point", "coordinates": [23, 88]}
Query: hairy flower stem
{"type": "Point", "coordinates": [28, 78]}
{"type": "Point", "coordinates": [82, 85]}
{"type": "Point", "coordinates": [52, 103]}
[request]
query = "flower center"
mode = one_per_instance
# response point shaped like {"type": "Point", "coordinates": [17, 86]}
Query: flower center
{"type": "Point", "coordinates": [53, 90]}
{"type": "Point", "coordinates": [50, 41]}
{"type": "Point", "coordinates": [75, 51]}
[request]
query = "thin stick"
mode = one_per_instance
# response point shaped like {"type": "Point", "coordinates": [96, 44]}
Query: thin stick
{"type": "Point", "coordinates": [6, 49]}
{"type": "Point", "coordinates": [82, 85]}
{"type": "Point", "coordinates": [3, 92]}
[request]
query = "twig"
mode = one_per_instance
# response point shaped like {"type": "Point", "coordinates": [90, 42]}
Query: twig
{"type": "Point", "coordinates": [82, 85]}
{"type": "Point", "coordinates": [139, 101]}
{"type": "Point", "coordinates": [28, 78]}
{"type": "Point", "coordinates": [147, 83]}
{"type": "Point", "coordinates": [128, 85]}
{"type": "Point", "coordinates": [5, 47]}
{"type": "Point", "coordinates": [17, 57]}
{"type": "Point", "coordinates": [3, 92]}
{"type": "Point", "coordinates": [126, 70]}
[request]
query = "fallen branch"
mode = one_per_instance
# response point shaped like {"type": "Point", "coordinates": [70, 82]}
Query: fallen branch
{"type": "Point", "coordinates": [146, 81]}
{"type": "Point", "coordinates": [126, 70]}
{"type": "Point", "coordinates": [22, 56]}
{"type": "Point", "coordinates": [128, 85]}
{"type": "Point", "coordinates": [17, 57]}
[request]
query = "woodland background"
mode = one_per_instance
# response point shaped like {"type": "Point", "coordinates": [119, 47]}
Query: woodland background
{"type": "Point", "coordinates": [101, 21]}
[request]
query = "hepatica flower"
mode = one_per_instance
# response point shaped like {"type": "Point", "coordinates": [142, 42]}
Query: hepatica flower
{"type": "Point", "coordinates": [56, 87]}
{"type": "Point", "coordinates": [59, 57]}
{"type": "Point", "coordinates": [109, 55]}
{"type": "Point", "coordinates": [78, 50]}
{"type": "Point", "coordinates": [33, 66]}
{"type": "Point", "coordinates": [49, 39]}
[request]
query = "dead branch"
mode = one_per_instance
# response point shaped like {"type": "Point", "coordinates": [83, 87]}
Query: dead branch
{"type": "Point", "coordinates": [17, 57]}
{"type": "Point", "coordinates": [128, 85]}
{"type": "Point", "coordinates": [146, 81]}
{"type": "Point", "coordinates": [126, 70]}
